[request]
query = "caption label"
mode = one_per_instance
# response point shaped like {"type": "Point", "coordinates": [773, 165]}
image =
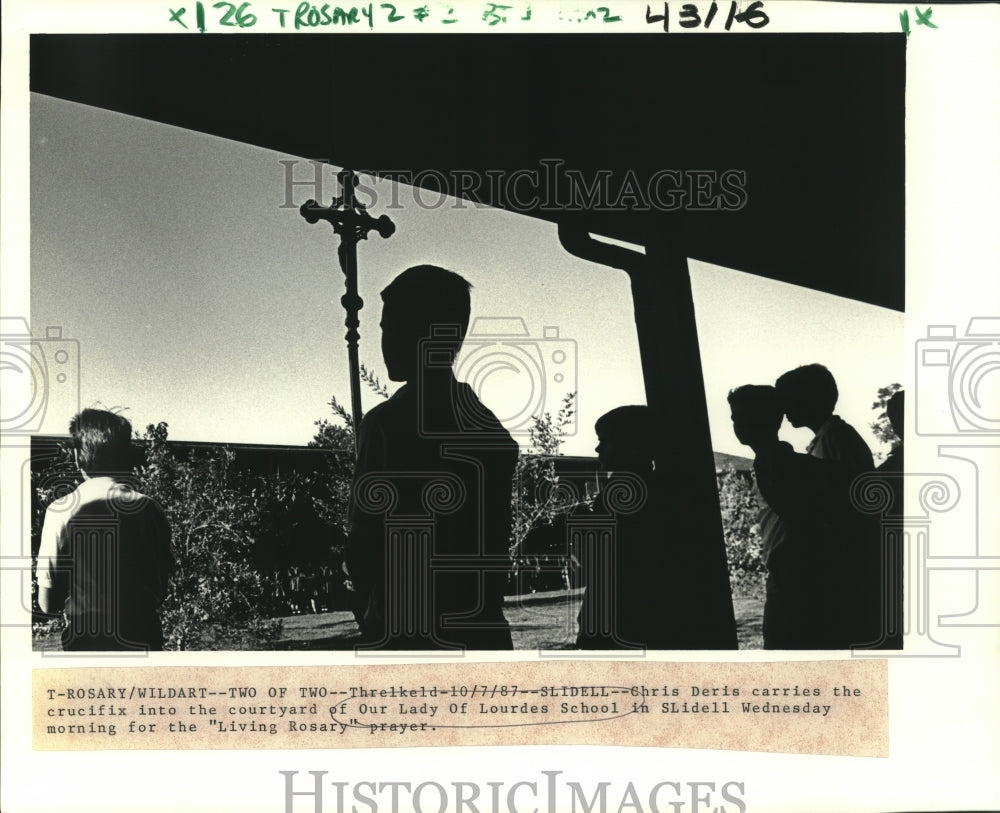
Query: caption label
{"type": "Point", "coordinates": [830, 707]}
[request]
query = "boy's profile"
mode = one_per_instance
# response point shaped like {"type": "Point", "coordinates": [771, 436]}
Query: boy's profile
{"type": "Point", "coordinates": [628, 569]}
{"type": "Point", "coordinates": [808, 396]}
{"type": "Point", "coordinates": [431, 514]}
{"type": "Point", "coordinates": [104, 558]}
{"type": "Point", "coordinates": [800, 605]}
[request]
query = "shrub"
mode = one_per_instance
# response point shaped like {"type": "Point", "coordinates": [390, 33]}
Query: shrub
{"type": "Point", "coordinates": [739, 505]}
{"type": "Point", "coordinates": [216, 599]}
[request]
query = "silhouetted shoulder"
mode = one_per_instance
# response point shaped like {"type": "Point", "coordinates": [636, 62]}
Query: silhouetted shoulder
{"type": "Point", "coordinates": [837, 440]}
{"type": "Point", "coordinates": [399, 402]}
{"type": "Point", "coordinates": [475, 418]}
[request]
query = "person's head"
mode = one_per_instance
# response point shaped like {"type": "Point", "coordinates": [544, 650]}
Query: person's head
{"type": "Point", "coordinates": [756, 413]}
{"type": "Point", "coordinates": [102, 442]}
{"type": "Point", "coordinates": [424, 302]}
{"type": "Point", "coordinates": [624, 439]}
{"type": "Point", "coordinates": [808, 394]}
{"type": "Point", "coordinates": [894, 411]}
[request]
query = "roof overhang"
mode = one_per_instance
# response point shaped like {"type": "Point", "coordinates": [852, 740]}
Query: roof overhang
{"type": "Point", "coordinates": [815, 121]}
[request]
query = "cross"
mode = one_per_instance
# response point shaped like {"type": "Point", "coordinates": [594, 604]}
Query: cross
{"type": "Point", "coordinates": [350, 219]}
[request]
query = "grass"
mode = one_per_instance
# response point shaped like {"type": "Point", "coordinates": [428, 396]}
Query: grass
{"type": "Point", "coordinates": [540, 621]}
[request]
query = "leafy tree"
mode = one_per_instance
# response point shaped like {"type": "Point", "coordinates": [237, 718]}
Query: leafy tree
{"type": "Point", "coordinates": [217, 598]}
{"type": "Point", "coordinates": [537, 499]}
{"type": "Point", "coordinates": [739, 505]}
{"type": "Point", "coordinates": [333, 503]}
{"type": "Point", "coordinates": [881, 427]}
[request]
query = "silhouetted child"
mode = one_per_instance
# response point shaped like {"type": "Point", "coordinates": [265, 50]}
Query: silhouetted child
{"type": "Point", "coordinates": [808, 396]}
{"type": "Point", "coordinates": [800, 606]}
{"type": "Point", "coordinates": [105, 556]}
{"type": "Point", "coordinates": [431, 502]}
{"type": "Point", "coordinates": [625, 559]}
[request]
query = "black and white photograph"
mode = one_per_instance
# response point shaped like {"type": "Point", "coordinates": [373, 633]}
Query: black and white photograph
{"type": "Point", "coordinates": [342, 336]}
{"type": "Point", "coordinates": [555, 293]}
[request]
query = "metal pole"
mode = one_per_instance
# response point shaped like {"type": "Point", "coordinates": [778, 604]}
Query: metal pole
{"type": "Point", "coordinates": [351, 302]}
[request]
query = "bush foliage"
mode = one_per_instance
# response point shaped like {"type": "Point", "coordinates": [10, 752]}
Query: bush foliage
{"type": "Point", "coordinates": [739, 506]}
{"type": "Point", "coordinates": [217, 514]}
{"type": "Point", "coordinates": [217, 598]}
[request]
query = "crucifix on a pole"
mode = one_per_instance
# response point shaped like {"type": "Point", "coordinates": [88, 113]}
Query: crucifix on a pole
{"type": "Point", "coordinates": [350, 219]}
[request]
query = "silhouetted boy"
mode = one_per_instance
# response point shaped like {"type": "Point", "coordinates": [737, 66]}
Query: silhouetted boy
{"type": "Point", "coordinates": [628, 564]}
{"type": "Point", "coordinates": [800, 609]}
{"type": "Point", "coordinates": [105, 558]}
{"type": "Point", "coordinates": [808, 396]}
{"type": "Point", "coordinates": [430, 513]}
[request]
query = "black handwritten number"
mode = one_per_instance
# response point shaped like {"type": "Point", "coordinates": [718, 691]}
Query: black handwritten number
{"type": "Point", "coordinates": [393, 16]}
{"type": "Point", "coordinates": [732, 15]}
{"type": "Point", "coordinates": [711, 13]}
{"type": "Point", "coordinates": [655, 18]}
{"type": "Point", "coordinates": [691, 17]}
{"type": "Point", "coordinates": [236, 17]}
{"type": "Point", "coordinates": [754, 16]}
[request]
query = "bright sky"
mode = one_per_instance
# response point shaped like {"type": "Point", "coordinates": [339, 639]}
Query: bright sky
{"type": "Point", "coordinates": [198, 300]}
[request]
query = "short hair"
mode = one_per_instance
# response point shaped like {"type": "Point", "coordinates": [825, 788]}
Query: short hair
{"type": "Point", "coordinates": [430, 296]}
{"type": "Point", "coordinates": [102, 440]}
{"type": "Point", "coordinates": [894, 411]}
{"type": "Point", "coordinates": [812, 384]}
{"type": "Point", "coordinates": [631, 425]}
{"type": "Point", "coordinates": [760, 402]}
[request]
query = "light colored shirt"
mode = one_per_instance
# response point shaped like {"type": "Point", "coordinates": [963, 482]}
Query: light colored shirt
{"type": "Point", "coordinates": [105, 558]}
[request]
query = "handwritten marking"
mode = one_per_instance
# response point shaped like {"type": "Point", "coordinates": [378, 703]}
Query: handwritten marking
{"type": "Point", "coordinates": [924, 19]}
